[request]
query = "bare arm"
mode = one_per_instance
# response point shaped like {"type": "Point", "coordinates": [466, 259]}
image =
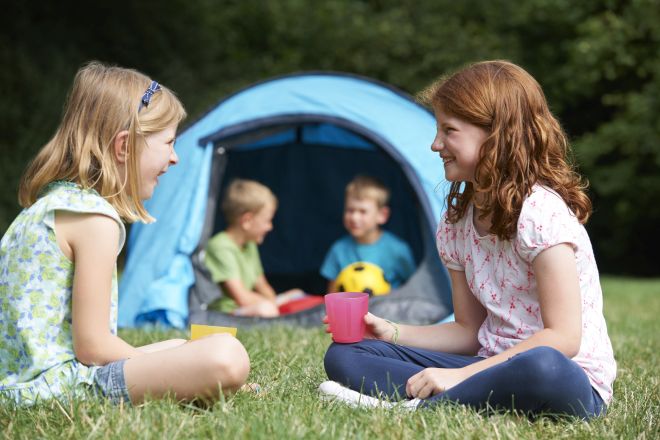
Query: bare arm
{"type": "Point", "coordinates": [91, 241]}
{"type": "Point", "coordinates": [263, 287]}
{"type": "Point", "coordinates": [242, 295]}
{"type": "Point", "coordinates": [560, 302]}
{"type": "Point", "coordinates": [458, 337]}
{"type": "Point", "coordinates": [561, 308]}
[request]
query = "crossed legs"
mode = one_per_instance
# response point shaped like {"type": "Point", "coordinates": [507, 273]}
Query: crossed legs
{"type": "Point", "coordinates": [538, 380]}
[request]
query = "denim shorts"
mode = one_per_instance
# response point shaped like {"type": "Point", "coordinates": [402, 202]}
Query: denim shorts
{"type": "Point", "coordinates": [111, 384]}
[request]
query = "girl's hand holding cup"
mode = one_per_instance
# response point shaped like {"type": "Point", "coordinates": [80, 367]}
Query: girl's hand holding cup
{"type": "Point", "coordinates": [346, 311]}
{"type": "Point", "coordinates": [379, 328]}
{"type": "Point", "coordinates": [376, 328]}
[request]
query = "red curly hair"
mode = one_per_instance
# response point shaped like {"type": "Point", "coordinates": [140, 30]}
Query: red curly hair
{"type": "Point", "coordinates": [525, 146]}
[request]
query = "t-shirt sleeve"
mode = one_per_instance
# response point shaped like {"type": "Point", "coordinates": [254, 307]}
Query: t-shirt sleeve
{"type": "Point", "coordinates": [447, 236]}
{"type": "Point", "coordinates": [545, 221]}
{"type": "Point", "coordinates": [221, 263]}
{"type": "Point", "coordinates": [330, 267]}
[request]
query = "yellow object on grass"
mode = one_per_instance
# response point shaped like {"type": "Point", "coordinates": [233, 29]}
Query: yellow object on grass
{"type": "Point", "coordinates": [199, 331]}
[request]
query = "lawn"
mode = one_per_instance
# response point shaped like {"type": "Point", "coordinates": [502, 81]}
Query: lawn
{"type": "Point", "coordinates": [288, 363]}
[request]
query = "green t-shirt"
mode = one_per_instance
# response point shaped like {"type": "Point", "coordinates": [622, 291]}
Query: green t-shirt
{"type": "Point", "coordinates": [225, 260]}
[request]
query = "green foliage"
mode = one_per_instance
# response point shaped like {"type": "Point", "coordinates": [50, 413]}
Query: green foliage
{"type": "Point", "coordinates": [288, 363]}
{"type": "Point", "coordinates": [597, 61]}
{"type": "Point", "coordinates": [616, 55]}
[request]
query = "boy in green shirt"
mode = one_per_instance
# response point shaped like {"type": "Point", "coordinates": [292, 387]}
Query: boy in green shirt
{"type": "Point", "coordinates": [232, 256]}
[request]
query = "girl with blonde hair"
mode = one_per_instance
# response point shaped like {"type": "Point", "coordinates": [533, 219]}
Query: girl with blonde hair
{"type": "Point", "coordinates": [58, 277]}
{"type": "Point", "coordinates": [529, 332]}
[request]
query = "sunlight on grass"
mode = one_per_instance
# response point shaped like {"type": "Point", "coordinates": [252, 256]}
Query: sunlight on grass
{"type": "Point", "coordinates": [288, 363]}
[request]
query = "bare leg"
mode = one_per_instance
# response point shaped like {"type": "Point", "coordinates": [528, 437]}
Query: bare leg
{"type": "Point", "coordinates": [264, 309]}
{"type": "Point", "coordinates": [162, 345]}
{"type": "Point", "coordinates": [200, 368]}
{"type": "Point", "coordinates": [289, 295]}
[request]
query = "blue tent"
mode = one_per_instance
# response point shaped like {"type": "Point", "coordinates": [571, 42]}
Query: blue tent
{"type": "Point", "coordinates": [305, 136]}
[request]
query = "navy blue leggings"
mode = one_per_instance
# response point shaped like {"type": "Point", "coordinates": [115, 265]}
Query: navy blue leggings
{"type": "Point", "coordinates": [540, 380]}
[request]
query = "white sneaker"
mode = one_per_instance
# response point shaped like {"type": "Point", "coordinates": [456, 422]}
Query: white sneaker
{"type": "Point", "coordinates": [333, 391]}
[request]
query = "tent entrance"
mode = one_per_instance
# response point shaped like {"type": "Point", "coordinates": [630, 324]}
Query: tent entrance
{"type": "Point", "coordinates": [307, 165]}
{"type": "Point", "coordinates": [305, 135]}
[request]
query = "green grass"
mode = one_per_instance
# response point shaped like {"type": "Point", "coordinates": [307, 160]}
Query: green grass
{"type": "Point", "coordinates": [288, 363]}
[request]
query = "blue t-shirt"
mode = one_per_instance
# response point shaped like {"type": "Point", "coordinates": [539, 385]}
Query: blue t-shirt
{"type": "Point", "coordinates": [389, 252]}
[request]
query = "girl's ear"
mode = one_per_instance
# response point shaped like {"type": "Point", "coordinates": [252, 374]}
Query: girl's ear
{"type": "Point", "coordinates": [120, 146]}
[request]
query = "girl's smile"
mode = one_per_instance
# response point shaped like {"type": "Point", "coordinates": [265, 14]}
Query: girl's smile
{"type": "Point", "coordinates": [157, 156]}
{"type": "Point", "coordinates": [458, 142]}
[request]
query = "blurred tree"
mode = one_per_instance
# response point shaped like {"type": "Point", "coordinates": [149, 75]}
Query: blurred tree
{"type": "Point", "coordinates": [596, 59]}
{"type": "Point", "coordinates": [616, 69]}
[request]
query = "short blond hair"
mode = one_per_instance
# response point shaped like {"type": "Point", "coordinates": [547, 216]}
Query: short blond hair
{"type": "Point", "coordinates": [103, 101]}
{"type": "Point", "coordinates": [367, 187]}
{"type": "Point", "coordinates": [242, 196]}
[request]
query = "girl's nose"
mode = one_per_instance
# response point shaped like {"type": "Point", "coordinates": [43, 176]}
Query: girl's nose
{"type": "Point", "coordinates": [174, 158]}
{"type": "Point", "coordinates": [437, 144]}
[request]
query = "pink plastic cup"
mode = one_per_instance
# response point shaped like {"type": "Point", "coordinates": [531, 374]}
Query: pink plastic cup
{"type": "Point", "coordinates": [346, 312]}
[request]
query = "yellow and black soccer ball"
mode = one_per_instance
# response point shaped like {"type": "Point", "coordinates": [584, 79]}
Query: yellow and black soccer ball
{"type": "Point", "coordinates": [363, 277]}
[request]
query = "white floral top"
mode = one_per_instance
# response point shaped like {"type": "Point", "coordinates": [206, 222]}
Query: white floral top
{"type": "Point", "coordinates": [500, 275]}
{"type": "Point", "coordinates": [37, 360]}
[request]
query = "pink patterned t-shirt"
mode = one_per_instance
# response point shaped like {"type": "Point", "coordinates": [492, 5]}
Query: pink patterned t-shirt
{"type": "Point", "coordinates": [500, 275]}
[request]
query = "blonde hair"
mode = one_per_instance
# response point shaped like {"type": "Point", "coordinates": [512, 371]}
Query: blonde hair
{"type": "Point", "coordinates": [244, 196]}
{"type": "Point", "coordinates": [525, 145]}
{"type": "Point", "coordinates": [366, 187]}
{"type": "Point", "coordinates": [103, 101]}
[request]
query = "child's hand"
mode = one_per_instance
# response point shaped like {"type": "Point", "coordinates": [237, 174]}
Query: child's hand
{"type": "Point", "coordinates": [431, 381]}
{"type": "Point", "coordinates": [379, 328]}
{"type": "Point", "coordinates": [327, 324]}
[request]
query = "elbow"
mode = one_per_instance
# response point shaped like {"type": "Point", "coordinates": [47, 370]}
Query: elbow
{"type": "Point", "coordinates": [569, 343]}
{"type": "Point", "coordinates": [88, 352]}
{"type": "Point", "coordinates": [470, 344]}
{"type": "Point", "coordinates": [86, 357]}
{"type": "Point", "coordinates": [572, 348]}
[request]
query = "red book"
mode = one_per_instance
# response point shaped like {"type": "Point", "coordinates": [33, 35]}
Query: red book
{"type": "Point", "coordinates": [304, 303]}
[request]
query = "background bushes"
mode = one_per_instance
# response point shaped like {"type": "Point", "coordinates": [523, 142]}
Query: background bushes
{"type": "Point", "coordinates": [596, 59]}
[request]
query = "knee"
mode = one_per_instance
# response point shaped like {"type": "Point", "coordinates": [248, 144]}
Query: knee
{"type": "Point", "coordinates": [228, 361]}
{"type": "Point", "coordinates": [333, 362]}
{"type": "Point", "coordinates": [333, 355]}
{"type": "Point", "coordinates": [263, 309]}
{"type": "Point", "coordinates": [340, 357]}
{"type": "Point", "coordinates": [268, 309]}
{"type": "Point", "coordinates": [542, 364]}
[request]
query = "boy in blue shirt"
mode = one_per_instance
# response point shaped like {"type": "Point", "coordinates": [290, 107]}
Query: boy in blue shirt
{"type": "Point", "coordinates": [365, 211]}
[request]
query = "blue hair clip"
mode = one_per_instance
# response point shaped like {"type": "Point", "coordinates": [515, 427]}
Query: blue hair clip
{"type": "Point", "coordinates": [146, 98]}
